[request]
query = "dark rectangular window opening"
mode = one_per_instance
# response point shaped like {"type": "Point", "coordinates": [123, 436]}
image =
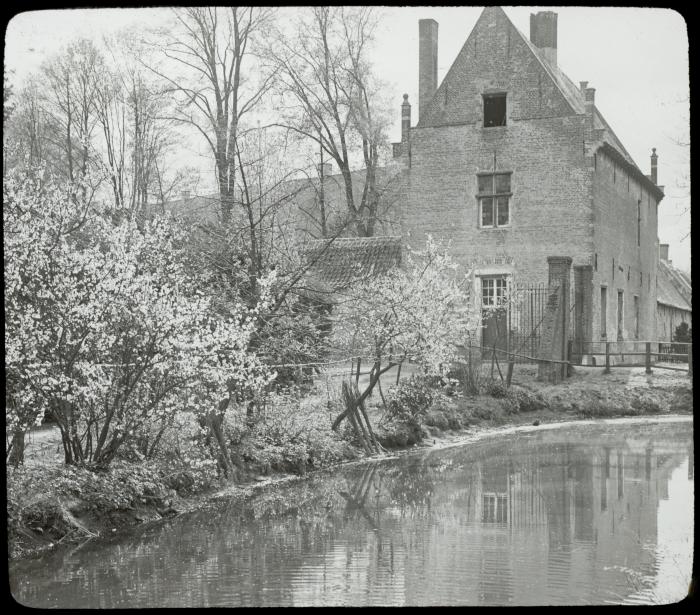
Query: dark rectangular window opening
{"type": "Point", "coordinates": [494, 110]}
{"type": "Point", "coordinates": [639, 223]}
{"type": "Point", "coordinates": [494, 199]}
{"type": "Point", "coordinates": [636, 317]}
{"type": "Point", "coordinates": [620, 314]}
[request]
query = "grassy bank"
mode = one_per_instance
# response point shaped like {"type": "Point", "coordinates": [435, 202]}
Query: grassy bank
{"type": "Point", "coordinates": [51, 504]}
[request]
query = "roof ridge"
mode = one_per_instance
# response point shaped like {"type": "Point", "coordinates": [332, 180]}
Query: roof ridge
{"type": "Point", "coordinates": [549, 69]}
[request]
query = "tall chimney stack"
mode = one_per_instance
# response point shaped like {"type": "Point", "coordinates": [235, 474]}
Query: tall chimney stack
{"type": "Point", "coordinates": [654, 167]}
{"type": "Point", "coordinates": [663, 251]}
{"type": "Point", "coordinates": [589, 96]}
{"type": "Point", "coordinates": [543, 34]}
{"type": "Point", "coordinates": [427, 62]}
{"type": "Point", "coordinates": [405, 119]}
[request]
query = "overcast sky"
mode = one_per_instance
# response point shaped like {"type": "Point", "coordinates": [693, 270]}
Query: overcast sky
{"type": "Point", "coordinates": [636, 58]}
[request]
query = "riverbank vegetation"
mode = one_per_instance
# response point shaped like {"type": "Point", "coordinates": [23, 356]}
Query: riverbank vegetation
{"type": "Point", "coordinates": [50, 503]}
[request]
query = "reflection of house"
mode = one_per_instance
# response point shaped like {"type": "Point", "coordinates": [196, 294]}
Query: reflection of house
{"type": "Point", "coordinates": [513, 162]}
{"type": "Point", "coordinates": [674, 297]}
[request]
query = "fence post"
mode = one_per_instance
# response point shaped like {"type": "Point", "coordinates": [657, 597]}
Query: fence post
{"type": "Point", "coordinates": [690, 360]}
{"type": "Point", "coordinates": [607, 358]}
{"type": "Point", "coordinates": [357, 377]}
{"type": "Point", "coordinates": [647, 358]}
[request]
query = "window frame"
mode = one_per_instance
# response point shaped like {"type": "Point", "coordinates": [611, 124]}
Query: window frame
{"type": "Point", "coordinates": [497, 294]}
{"type": "Point", "coordinates": [494, 195]}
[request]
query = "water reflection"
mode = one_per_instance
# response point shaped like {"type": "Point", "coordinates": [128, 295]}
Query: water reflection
{"type": "Point", "coordinates": [550, 517]}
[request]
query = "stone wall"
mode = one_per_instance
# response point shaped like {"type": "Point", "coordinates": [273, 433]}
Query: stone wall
{"type": "Point", "coordinates": [619, 262]}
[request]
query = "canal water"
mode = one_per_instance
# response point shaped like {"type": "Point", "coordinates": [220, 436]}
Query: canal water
{"type": "Point", "coordinates": [584, 514]}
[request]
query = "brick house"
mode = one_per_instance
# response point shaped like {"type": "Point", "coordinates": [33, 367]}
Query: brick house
{"type": "Point", "coordinates": [512, 162]}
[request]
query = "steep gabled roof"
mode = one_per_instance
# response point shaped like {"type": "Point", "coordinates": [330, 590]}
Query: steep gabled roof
{"type": "Point", "coordinates": [436, 115]}
{"type": "Point", "coordinates": [673, 287]}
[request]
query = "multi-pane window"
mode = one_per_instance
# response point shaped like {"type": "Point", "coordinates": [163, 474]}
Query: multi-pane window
{"type": "Point", "coordinates": [493, 291]}
{"type": "Point", "coordinates": [494, 199]}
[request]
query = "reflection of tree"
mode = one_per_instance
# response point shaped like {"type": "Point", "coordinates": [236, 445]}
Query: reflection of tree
{"type": "Point", "coordinates": [412, 485]}
{"type": "Point", "coordinates": [357, 498]}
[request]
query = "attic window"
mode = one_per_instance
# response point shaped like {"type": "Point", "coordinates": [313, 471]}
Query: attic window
{"type": "Point", "coordinates": [494, 110]}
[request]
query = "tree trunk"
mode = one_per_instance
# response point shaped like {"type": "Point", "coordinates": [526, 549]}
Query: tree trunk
{"type": "Point", "coordinates": [17, 448]}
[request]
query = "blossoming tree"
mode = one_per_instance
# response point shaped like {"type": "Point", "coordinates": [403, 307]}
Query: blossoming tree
{"type": "Point", "coordinates": [105, 331]}
{"type": "Point", "coordinates": [420, 312]}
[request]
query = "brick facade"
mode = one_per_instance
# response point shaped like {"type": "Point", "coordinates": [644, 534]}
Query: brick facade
{"type": "Point", "coordinates": [569, 177]}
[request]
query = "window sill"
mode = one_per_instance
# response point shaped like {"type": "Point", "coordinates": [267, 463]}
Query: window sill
{"type": "Point", "coordinates": [494, 228]}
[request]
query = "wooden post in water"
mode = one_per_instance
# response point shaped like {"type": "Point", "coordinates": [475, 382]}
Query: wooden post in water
{"type": "Point", "coordinates": [647, 358]}
{"type": "Point", "coordinates": [398, 373]}
{"type": "Point", "coordinates": [607, 358]}
{"type": "Point", "coordinates": [357, 377]}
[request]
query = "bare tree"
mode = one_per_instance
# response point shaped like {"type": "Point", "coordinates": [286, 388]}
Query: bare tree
{"type": "Point", "coordinates": [70, 101]}
{"type": "Point", "coordinates": [214, 84]}
{"type": "Point", "coordinates": [330, 96]}
{"type": "Point", "coordinates": [137, 138]}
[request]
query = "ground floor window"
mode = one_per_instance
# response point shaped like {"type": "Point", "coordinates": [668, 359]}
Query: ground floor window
{"type": "Point", "coordinates": [493, 291]}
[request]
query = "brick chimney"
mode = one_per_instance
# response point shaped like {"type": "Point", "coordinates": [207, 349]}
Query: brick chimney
{"type": "Point", "coordinates": [589, 95]}
{"type": "Point", "coordinates": [654, 169]}
{"type": "Point", "coordinates": [405, 119]}
{"type": "Point", "coordinates": [427, 62]}
{"type": "Point", "coordinates": [663, 252]}
{"type": "Point", "coordinates": [543, 34]}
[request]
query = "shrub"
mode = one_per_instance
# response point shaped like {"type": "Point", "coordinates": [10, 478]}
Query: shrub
{"type": "Point", "coordinates": [496, 388]}
{"type": "Point", "coordinates": [646, 406]}
{"type": "Point", "coordinates": [410, 400]}
{"type": "Point", "coordinates": [484, 412]}
{"type": "Point", "coordinates": [526, 401]}
{"type": "Point", "coordinates": [292, 435]}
